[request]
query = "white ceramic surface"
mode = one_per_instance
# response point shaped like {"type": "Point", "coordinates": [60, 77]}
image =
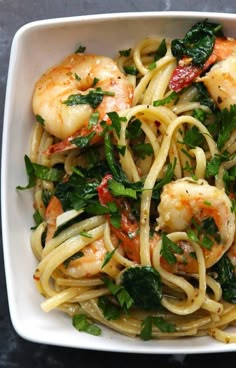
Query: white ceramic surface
{"type": "Point", "coordinates": [37, 46]}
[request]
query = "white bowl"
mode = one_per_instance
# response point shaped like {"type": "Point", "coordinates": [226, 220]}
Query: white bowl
{"type": "Point", "coordinates": [37, 46]}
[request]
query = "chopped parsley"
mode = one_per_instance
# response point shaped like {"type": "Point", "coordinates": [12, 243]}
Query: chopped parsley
{"type": "Point", "coordinates": [125, 52]}
{"type": "Point", "coordinates": [80, 50]}
{"type": "Point", "coordinates": [143, 149]}
{"type": "Point", "coordinates": [162, 325]}
{"type": "Point", "coordinates": [110, 310]}
{"type": "Point", "coordinates": [77, 77]}
{"type": "Point", "coordinates": [172, 97]}
{"type": "Point", "coordinates": [169, 248]}
{"type": "Point", "coordinates": [92, 98]}
{"type": "Point", "coordinates": [227, 123]}
{"type": "Point", "coordinates": [75, 256]}
{"type": "Point", "coordinates": [108, 256]}
{"type": "Point", "coordinates": [93, 120]}
{"type": "Point", "coordinates": [120, 293]}
{"type": "Point", "coordinates": [39, 119]}
{"type": "Point", "coordinates": [81, 323]}
{"type": "Point", "coordinates": [35, 171]}
{"type": "Point", "coordinates": [83, 142]}
{"type": "Point", "coordinates": [131, 69]}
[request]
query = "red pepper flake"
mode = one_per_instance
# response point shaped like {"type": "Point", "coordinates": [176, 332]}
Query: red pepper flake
{"type": "Point", "coordinates": [36, 278]}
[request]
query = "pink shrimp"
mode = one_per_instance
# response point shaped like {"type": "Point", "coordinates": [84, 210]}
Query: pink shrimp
{"type": "Point", "coordinates": [53, 210]}
{"type": "Point", "coordinates": [185, 200]}
{"type": "Point", "coordinates": [79, 75]}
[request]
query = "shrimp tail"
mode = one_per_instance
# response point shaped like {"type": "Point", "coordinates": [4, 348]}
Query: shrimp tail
{"type": "Point", "coordinates": [68, 143]}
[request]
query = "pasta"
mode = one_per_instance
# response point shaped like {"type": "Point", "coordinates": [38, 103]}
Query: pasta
{"type": "Point", "coordinates": [133, 166]}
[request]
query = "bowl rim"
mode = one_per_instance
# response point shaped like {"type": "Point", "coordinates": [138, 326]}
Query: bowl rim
{"type": "Point", "coordinates": [40, 24]}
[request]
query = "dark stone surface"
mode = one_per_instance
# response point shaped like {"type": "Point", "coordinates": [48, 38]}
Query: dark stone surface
{"type": "Point", "coordinates": [14, 351]}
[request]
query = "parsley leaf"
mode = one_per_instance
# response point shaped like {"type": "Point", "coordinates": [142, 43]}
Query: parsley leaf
{"type": "Point", "coordinates": [83, 141]}
{"type": "Point", "coordinates": [227, 123]}
{"type": "Point", "coordinates": [125, 52]}
{"type": "Point", "coordinates": [77, 77]}
{"type": "Point", "coordinates": [120, 293]}
{"type": "Point", "coordinates": [110, 310]}
{"type": "Point", "coordinates": [193, 137]}
{"type": "Point", "coordinates": [199, 114]}
{"type": "Point", "coordinates": [37, 219]}
{"type": "Point", "coordinates": [80, 49]}
{"type": "Point", "coordinates": [169, 248]}
{"type": "Point", "coordinates": [163, 325]}
{"type": "Point", "coordinates": [161, 51]}
{"type": "Point", "coordinates": [213, 165]}
{"type": "Point", "coordinates": [92, 98]}
{"type": "Point", "coordinates": [173, 96]}
{"type": "Point", "coordinates": [81, 323]}
{"type": "Point", "coordinates": [35, 171]}
{"type": "Point", "coordinates": [143, 149]}
{"type": "Point", "coordinates": [146, 329]}
{"type": "Point", "coordinates": [93, 120]}
{"type": "Point", "coordinates": [77, 255]}
{"type": "Point", "coordinates": [118, 189]}
{"type": "Point", "coordinates": [159, 322]}
{"type": "Point", "coordinates": [116, 121]}
{"type": "Point", "coordinates": [108, 257]}
{"type": "Point", "coordinates": [131, 69]}
{"type": "Point", "coordinates": [134, 129]}
{"type": "Point", "coordinates": [40, 119]}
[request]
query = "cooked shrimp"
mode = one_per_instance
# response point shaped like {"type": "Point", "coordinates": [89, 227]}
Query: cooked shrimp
{"type": "Point", "coordinates": [232, 253]}
{"type": "Point", "coordinates": [186, 201]}
{"type": "Point", "coordinates": [79, 74]}
{"type": "Point", "coordinates": [90, 264]}
{"type": "Point", "coordinates": [223, 48]}
{"type": "Point", "coordinates": [221, 82]}
{"type": "Point", "coordinates": [53, 210]}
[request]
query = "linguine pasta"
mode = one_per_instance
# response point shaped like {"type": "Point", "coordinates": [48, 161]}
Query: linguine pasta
{"type": "Point", "coordinates": [136, 224]}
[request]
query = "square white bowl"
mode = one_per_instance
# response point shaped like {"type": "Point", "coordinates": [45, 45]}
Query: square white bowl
{"type": "Point", "coordinates": [37, 46]}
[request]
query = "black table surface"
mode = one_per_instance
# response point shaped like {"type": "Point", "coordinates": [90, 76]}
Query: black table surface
{"type": "Point", "coordinates": [15, 351]}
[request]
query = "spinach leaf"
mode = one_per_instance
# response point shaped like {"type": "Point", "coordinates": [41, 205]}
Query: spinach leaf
{"type": "Point", "coordinates": [204, 97]}
{"type": "Point", "coordinates": [226, 278]}
{"type": "Point", "coordinates": [144, 286]}
{"type": "Point", "coordinates": [197, 44]}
